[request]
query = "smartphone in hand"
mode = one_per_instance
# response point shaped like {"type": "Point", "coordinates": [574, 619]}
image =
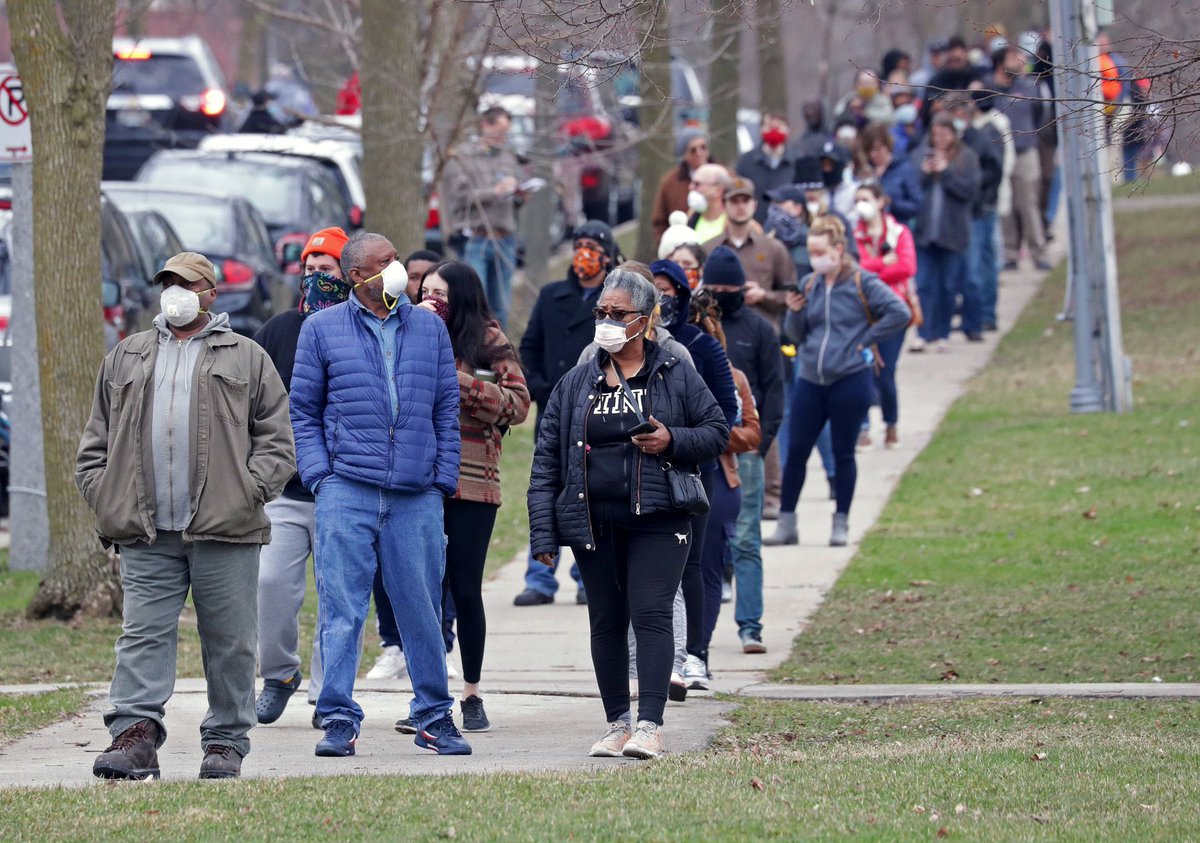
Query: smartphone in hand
{"type": "Point", "coordinates": [644, 427]}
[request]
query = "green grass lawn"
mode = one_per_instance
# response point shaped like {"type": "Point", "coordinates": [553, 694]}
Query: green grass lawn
{"type": "Point", "coordinates": [991, 770]}
{"type": "Point", "coordinates": [24, 713]}
{"type": "Point", "coordinates": [50, 651]}
{"type": "Point", "coordinates": [1028, 544]}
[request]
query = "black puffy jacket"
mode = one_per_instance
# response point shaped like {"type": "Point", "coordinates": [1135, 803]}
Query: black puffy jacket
{"type": "Point", "coordinates": [676, 396]}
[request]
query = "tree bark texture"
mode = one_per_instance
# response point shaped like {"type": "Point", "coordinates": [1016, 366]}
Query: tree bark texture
{"type": "Point", "coordinates": [656, 148]}
{"type": "Point", "coordinates": [723, 84]}
{"type": "Point", "coordinates": [773, 81]}
{"type": "Point", "coordinates": [392, 131]}
{"type": "Point", "coordinates": [64, 52]}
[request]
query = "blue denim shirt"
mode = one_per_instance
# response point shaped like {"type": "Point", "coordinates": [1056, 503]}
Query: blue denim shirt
{"type": "Point", "coordinates": [385, 331]}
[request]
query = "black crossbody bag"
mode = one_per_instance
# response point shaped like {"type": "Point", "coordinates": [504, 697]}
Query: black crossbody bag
{"type": "Point", "coordinates": [686, 489]}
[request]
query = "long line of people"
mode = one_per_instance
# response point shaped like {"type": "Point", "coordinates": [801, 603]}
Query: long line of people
{"type": "Point", "coordinates": [677, 408]}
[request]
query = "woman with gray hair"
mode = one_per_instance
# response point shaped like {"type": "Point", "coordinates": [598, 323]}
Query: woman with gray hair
{"type": "Point", "coordinates": [614, 432]}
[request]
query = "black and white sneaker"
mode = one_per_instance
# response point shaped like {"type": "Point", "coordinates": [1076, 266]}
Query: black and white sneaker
{"type": "Point", "coordinates": [474, 718]}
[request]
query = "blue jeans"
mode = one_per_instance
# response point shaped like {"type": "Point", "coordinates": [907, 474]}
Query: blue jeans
{"type": "Point", "coordinates": [361, 527]}
{"type": "Point", "coordinates": [747, 546]}
{"type": "Point", "coordinates": [885, 381]}
{"type": "Point", "coordinates": [983, 264]}
{"type": "Point", "coordinates": [494, 260]}
{"type": "Point", "coordinates": [389, 634]}
{"type": "Point", "coordinates": [842, 404]}
{"type": "Point", "coordinates": [824, 443]}
{"type": "Point", "coordinates": [541, 578]}
{"type": "Point", "coordinates": [939, 278]}
{"type": "Point", "coordinates": [1130, 152]}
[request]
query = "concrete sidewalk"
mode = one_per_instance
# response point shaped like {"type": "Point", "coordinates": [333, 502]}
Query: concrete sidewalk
{"type": "Point", "coordinates": [538, 681]}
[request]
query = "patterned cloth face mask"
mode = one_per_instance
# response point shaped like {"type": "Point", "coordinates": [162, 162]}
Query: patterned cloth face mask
{"type": "Point", "coordinates": [322, 290]}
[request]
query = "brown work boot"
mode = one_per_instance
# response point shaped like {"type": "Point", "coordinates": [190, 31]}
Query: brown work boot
{"type": "Point", "coordinates": [220, 762]}
{"type": "Point", "coordinates": [132, 755]}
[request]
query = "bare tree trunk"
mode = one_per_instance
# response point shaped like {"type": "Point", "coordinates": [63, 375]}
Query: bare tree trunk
{"type": "Point", "coordinates": [723, 83]}
{"type": "Point", "coordinates": [65, 55]}
{"type": "Point", "coordinates": [392, 132]}
{"type": "Point", "coordinates": [656, 119]}
{"type": "Point", "coordinates": [773, 87]}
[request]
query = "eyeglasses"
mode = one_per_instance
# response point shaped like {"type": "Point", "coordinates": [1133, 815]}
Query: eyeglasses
{"type": "Point", "coordinates": [619, 315]}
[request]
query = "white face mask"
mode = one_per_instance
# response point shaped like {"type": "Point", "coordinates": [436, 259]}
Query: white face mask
{"type": "Point", "coordinates": [814, 208]}
{"type": "Point", "coordinates": [960, 125]}
{"type": "Point", "coordinates": [696, 202]}
{"type": "Point", "coordinates": [395, 279]}
{"type": "Point", "coordinates": [610, 334]}
{"type": "Point", "coordinates": [825, 264]}
{"type": "Point", "coordinates": [179, 306]}
{"type": "Point", "coordinates": [866, 210]}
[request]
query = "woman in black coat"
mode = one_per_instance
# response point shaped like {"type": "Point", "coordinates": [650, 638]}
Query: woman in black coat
{"type": "Point", "coordinates": [950, 182]}
{"type": "Point", "coordinates": [600, 485]}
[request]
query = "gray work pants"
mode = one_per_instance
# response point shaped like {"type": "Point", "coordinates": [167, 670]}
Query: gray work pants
{"type": "Point", "coordinates": [282, 582]}
{"type": "Point", "coordinates": [1024, 223]}
{"type": "Point", "coordinates": [223, 578]}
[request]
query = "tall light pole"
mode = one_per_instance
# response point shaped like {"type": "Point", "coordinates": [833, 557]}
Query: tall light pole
{"type": "Point", "coordinates": [1102, 372]}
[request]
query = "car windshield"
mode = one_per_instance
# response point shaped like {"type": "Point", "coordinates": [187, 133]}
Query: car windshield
{"type": "Point", "coordinates": [175, 76]}
{"type": "Point", "coordinates": [516, 83]}
{"type": "Point", "coordinates": [273, 190]}
{"type": "Point", "coordinates": [203, 225]}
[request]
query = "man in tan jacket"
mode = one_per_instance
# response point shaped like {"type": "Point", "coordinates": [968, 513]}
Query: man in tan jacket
{"type": "Point", "coordinates": [188, 438]}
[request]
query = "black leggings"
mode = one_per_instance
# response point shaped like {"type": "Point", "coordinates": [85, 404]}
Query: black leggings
{"type": "Point", "coordinates": [843, 404]}
{"type": "Point", "coordinates": [631, 576]}
{"type": "Point", "coordinates": [693, 579]}
{"type": "Point", "coordinates": [468, 533]}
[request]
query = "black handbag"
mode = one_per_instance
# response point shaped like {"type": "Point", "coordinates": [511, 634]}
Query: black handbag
{"type": "Point", "coordinates": [686, 489]}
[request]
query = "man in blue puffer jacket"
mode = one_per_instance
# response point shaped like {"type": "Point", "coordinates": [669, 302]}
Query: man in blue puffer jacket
{"type": "Point", "coordinates": [375, 415]}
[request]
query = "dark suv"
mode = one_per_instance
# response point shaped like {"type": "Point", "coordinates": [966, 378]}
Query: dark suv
{"type": "Point", "coordinates": [167, 93]}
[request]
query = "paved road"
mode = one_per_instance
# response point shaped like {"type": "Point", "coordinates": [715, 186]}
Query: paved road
{"type": "Point", "coordinates": [538, 682]}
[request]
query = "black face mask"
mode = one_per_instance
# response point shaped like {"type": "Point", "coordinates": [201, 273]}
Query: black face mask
{"type": "Point", "coordinates": [730, 303]}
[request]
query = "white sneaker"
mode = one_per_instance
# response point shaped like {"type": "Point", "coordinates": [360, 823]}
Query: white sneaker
{"type": "Point", "coordinates": [695, 674]}
{"type": "Point", "coordinates": [646, 743]}
{"type": "Point", "coordinates": [451, 670]}
{"type": "Point", "coordinates": [726, 592]}
{"type": "Point", "coordinates": [389, 665]}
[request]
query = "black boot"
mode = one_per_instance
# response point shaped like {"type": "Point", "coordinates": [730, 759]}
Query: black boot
{"type": "Point", "coordinates": [220, 762]}
{"type": "Point", "coordinates": [133, 754]}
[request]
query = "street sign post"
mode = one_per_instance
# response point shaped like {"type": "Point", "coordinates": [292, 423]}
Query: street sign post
{"type": "Point", "coordinates": [15, 142]}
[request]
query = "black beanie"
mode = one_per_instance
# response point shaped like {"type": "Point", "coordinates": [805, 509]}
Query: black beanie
{"type": "Point", "coordinates": [723, 267]}
{"type": "Point", "coordinates": [602, 234]}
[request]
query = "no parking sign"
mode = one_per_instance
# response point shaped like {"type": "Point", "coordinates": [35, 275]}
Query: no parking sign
{"type": "Point", "coordinates": [15, 143]}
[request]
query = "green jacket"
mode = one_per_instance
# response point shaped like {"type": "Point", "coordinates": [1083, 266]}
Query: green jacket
{"type": "Point", "coordinates": [241, 446]}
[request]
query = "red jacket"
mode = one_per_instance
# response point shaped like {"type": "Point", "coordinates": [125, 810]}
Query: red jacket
{"type": "Point", "coordinates": [896, 240]}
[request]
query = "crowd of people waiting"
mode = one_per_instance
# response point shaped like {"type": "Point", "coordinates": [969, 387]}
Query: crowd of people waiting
{"type": "Point", "coordinates": [677, 406]}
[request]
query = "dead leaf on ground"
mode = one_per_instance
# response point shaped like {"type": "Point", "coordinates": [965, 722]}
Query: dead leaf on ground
{"type": "Point", "coordinates": [1090, 514]}
{"type": "Point", "coordinates": [1038, 756]}
{"type": "Point", "coordinates": [960, 809]}
{"type": "Point", "coordinates": [1037, 819]}
{"type": "Point", "coordinates": [920, 583]}
{"type": "Point", "coordinates": [757, 784]}
{"type": "Point", "coordinates": [918, 809]}
{"type": "Point", "coordinates": [943, 832]}
{"type": "Point", "coordinates": [949, 675]}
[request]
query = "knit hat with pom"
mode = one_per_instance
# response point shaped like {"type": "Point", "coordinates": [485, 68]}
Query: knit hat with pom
{"type": "Point", "coordinates": [678, 234]}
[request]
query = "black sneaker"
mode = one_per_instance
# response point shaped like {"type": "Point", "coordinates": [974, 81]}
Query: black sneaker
{"type": "Point", "coordinates": [974, 336]}
{"type": "Point", "coordinates": [581, 598]}
{"type": "Point", "coordinates": [406, 726]}
{"type": "Point", "coordinates": [530, 597]}
{"type": "Point", "coordinates": [274, 698]}
{"type": "Point", "coordinates": [443, 737]}
{"type": "Point", "coordinates": [220, 762]}
{"type": "Point", "coordinates": [474, 717]}
{"type": "Point", "coordinates": [132, 755]}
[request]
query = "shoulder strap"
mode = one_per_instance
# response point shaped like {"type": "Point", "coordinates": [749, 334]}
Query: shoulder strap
{"type": "Point", "coordinates": [862, 296]}
{"type": "Point", "coordinates": [629, 396]}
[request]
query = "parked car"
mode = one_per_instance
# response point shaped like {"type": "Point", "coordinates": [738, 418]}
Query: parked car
{"type": "Point", "coordinates": [342, 159]}
{"type": "Point", "coordinates": [155, 237]}
{"type": "Point", "coordinates": [167, 93]}
{"type": "Point", "coordinates": [120, 281]}
{"type": "Point", "coordinates": [296, 196]}
{"type": "Point", "coordinates": [230, 232]}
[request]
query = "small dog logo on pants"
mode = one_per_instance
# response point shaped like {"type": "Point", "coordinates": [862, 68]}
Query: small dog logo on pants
{"type": "Point", "coordinates": [682, 537]}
